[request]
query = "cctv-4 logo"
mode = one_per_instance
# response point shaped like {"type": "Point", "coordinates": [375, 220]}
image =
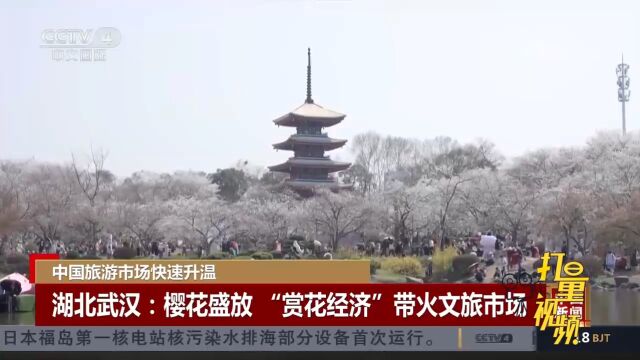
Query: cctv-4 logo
{"type": "Point", "coordinates": [494, 338]}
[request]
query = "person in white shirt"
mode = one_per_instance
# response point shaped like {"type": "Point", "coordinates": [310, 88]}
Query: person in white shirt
{"type": "Point", "coordinates": [610, 262]}
{"type": "Point", "coordinates": [297, 248]}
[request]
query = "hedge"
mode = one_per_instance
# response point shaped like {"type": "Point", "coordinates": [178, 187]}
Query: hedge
{"type": "Point", "coordinates": [409, 266]}
{"type": "Point", "coordinates": [124, 253]}
{"type": "Point", "coordinates": [14, 263]}
{"type": "Point", "coordinates": [262, 255]}
{"type": "Point", "coordinates": [443, 260]}
{"type": "Point", "coordinates": [374, 265]}
{"type": "Point", "coordinates": [592, 266]}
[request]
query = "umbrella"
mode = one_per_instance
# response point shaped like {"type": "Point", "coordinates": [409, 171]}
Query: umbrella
{"type": "Point", "coordinates": [473, 265]}
{"type": "Point", "coordinates": [24, 282]}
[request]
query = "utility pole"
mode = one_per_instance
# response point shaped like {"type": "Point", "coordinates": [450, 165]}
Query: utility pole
{"type": "Point", "coordinates": [623, 90]}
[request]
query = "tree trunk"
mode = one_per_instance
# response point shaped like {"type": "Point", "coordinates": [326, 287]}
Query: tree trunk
{"type": "Point", "coordinates": [442, 232]}
{"type": "Point", "coordinates": [567, 236]}
{"type": "Point", "coordinates": [4, 239]}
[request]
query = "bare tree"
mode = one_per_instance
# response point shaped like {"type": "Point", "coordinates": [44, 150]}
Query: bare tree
{"type": "Point", "coordinates": [366, 148]}
{"type": "Point", "coordinates": [92, 177]}
{"type": "Point", "coordinates": [92, 180]}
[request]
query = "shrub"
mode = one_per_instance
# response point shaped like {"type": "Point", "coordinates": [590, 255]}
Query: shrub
{"type": "Point", "coordinates": [405, 266]}
{"type": "Point", "coordinates": [374, 265]}
{"type": "Point", "coordinates": [13, 259]}
{"type": "Point", "coordinates": [72, 255]}
{"type": "Point", "coordinates": [425, 261]}
{"type": "Point", "coordinates": [347, 253]}
{"type": "Point", "coordinates": [124, 253]}
{"type": "Point", "coordinates": [460, 264]}
{"type": "Point", "coordinates": [443, 260]}
{"type": "Point", "coordinates": [219, 256]}
{"type": "Point", "coordinates": [15, 263]}
{"type": "Point", "coordinates": [592, 266]}
{"type": "Point", "coordinates": [262, 255]}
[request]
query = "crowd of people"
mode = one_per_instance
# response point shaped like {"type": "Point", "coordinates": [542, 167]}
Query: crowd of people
{"type": "Point", "coordinates": [613, 262]}
{"type": "Point", "coordinates": [296, 247]}
{"type": "Point", "coordinates": [500, 251]}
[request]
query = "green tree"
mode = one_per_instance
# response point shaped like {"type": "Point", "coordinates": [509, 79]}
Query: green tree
{"type": "Point", "coordinates": [232, 183]}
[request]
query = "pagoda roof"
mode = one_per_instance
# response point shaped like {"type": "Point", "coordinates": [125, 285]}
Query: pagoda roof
{"type": "Point", "coordinates": [327, 142]}
{"type": "Point", "coordinates": [310, 163]}
{"type": "Point", "coordinates": [310, 112]}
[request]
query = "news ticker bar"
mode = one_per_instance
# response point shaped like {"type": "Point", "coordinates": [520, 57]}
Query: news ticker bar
{"type": "Point", "coordinates": [286, 305]}
{"type": "Point", "coordinates": [142, 271]}
{"type": "Point", "coordinates": [19, 338]}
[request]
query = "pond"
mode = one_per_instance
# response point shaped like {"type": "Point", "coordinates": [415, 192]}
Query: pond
{"type": "Point", "coordinates": [21, 318]}
{"type": "Point", "coordinates": [618, 307]}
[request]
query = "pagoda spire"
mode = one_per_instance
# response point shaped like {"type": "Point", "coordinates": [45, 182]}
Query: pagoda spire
{"type": "Point", "coordinates": [309, 100]}
{"type": "Point", "coordinates": [623, 90]}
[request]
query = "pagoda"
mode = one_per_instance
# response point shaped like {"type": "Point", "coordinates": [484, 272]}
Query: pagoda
{"type": "Point", "coordinates": [310, 168]}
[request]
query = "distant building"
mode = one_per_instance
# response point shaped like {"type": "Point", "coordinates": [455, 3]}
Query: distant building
{"type": "Point", "coordinates": [309, 168]}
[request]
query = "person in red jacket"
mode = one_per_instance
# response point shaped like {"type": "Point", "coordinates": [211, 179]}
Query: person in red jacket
{"type": "Point", "coordinates": [535, 252]}
{"type": "Point", "coordinates": [233, 247]}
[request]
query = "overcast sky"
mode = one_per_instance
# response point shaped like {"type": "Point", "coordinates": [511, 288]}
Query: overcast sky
{"type": "Point", "coordinates": [195, 85]}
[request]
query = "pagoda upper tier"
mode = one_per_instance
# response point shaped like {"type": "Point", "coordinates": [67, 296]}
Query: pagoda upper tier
{"type": "Point", "coordinates": [310, 114]}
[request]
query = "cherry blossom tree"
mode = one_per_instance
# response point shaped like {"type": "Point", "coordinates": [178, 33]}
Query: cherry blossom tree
{"type": "Point", "coordinates": [339, 215]}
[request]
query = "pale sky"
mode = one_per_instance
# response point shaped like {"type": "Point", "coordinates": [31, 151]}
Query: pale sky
{"type": "Point", "coordinates": [195, 85]}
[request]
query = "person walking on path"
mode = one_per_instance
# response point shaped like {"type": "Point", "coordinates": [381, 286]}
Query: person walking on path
{"type": "Point", "coordinates": [635, 259]}
{"type": "Point", "coordinates": [610, 262]}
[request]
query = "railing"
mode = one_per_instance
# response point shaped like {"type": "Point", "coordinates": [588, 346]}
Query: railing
{"type": "Point", "coordinates": [310, 158]}
{"type": "Point", "coordinates": [327, 180]}
{"type": "Point", "coordinates": [318, 134]}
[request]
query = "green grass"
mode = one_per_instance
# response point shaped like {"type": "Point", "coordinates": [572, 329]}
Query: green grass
{"type": "Point", "coordinates": [20, 318]}
{"type": "Point", "coordinates": [385, 277]}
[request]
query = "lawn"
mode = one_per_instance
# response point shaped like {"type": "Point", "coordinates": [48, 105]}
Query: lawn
{"type": "Point", "coordinates": [385, 277]}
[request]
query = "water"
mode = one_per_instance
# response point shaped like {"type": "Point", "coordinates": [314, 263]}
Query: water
{"type": "Point", "coordinates": [619, 307]}
{"type": "Point", "coordinates": [21, 318]}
